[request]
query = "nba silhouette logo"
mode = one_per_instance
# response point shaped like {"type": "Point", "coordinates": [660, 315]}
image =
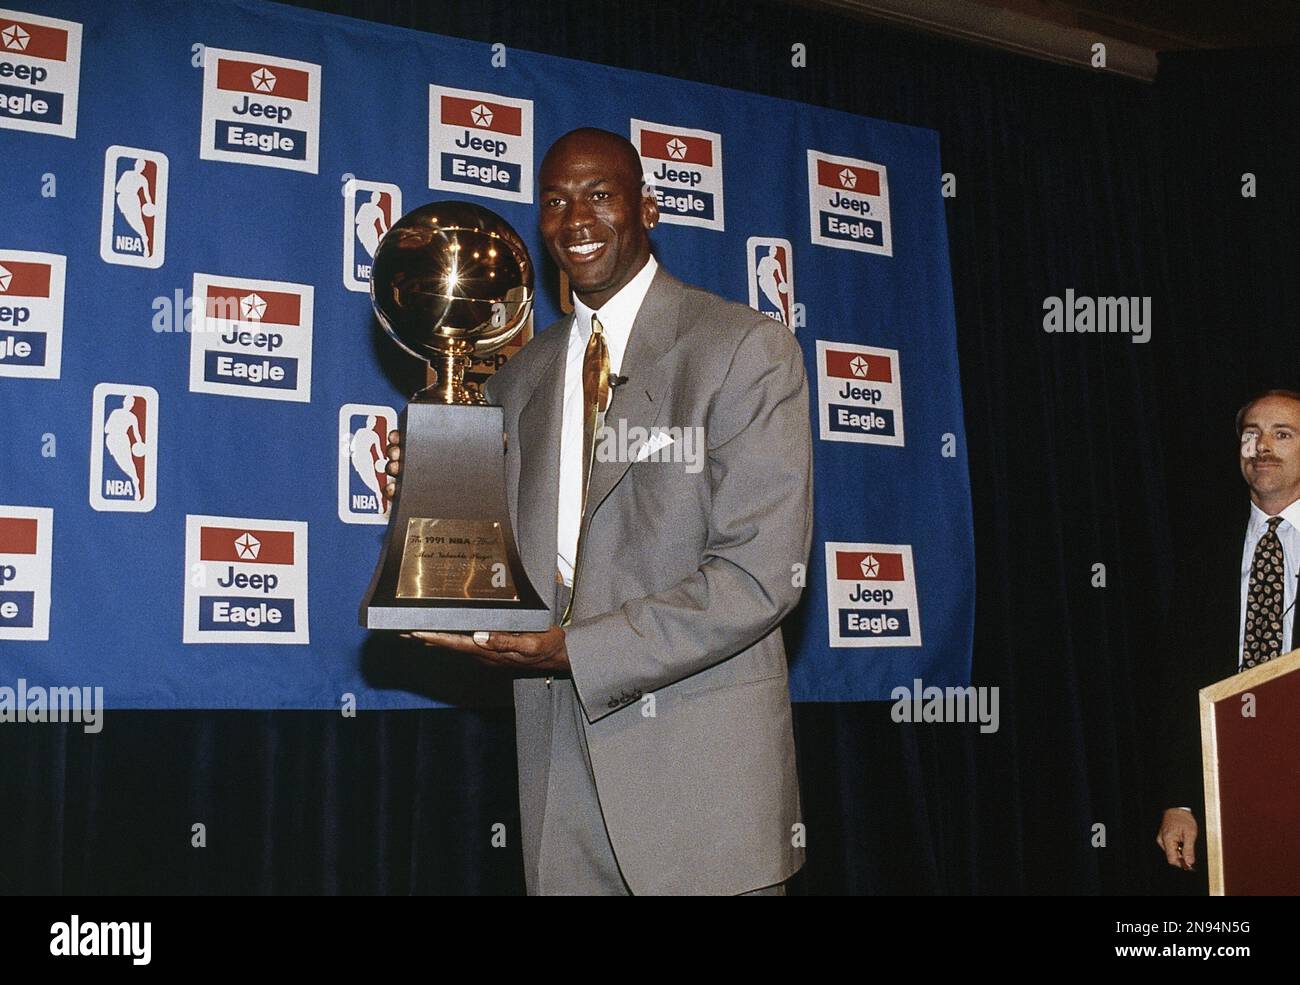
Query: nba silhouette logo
{"type": "Point", "coordinates": [363, 456]}
{"type": "Point", "coordinates": [771, 278]}
{"type": "Point", "coordinates": [124, 448]}
{"type": "Point", "coordinates": [369, 210]}
{"type": "Point", "coordinates": [133, 230]}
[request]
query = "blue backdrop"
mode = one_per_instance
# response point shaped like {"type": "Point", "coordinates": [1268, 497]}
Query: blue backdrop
{"type": "Point", "coordinates": [185, 518]}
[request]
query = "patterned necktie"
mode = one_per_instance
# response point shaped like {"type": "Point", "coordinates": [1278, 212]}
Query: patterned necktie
{"type": "Point", "coordinates": [1264, 593]}
{"type": "Point", "coordinates": [595, 401]}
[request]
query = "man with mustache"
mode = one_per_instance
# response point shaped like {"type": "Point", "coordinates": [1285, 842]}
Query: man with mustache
{"type": "Point", "coordinates": [1260, 575]}
{"type": "Point", "coordinates": [655, 744]}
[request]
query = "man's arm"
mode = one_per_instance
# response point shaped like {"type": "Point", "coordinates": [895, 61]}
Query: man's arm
{"type": "Point", "coordinates": [1177, 761]}
{"type": "Point", "coordinates": [760, 468]}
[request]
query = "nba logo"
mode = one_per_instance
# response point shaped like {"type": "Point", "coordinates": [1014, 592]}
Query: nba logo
{"type": "Point", "coordinates": [369, 210]}
{"type": "Point", "coordinates": [363, 443]}
{"type": "Point", "coordinates": [771, 278]}
{"type": "Point", "coordinates": [134, 226]}
{"type": "Point", "coordinates": [124, 448]}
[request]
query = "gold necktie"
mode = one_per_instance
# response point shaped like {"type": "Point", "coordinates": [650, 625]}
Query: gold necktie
{"type": "Point", "coordinates": [595, 401]}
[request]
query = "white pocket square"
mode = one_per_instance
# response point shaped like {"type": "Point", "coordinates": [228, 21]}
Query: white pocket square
{"type": "Point", "coordinates": [657, 441]}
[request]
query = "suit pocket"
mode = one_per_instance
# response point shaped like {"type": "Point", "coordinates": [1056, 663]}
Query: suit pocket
{"type": "Point", "coordinates": [760, 663]}
{"type": "Point", "coordinates": [713, 688]}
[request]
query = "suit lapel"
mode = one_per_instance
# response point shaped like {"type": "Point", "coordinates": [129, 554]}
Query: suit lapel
{"type": "Point", "coordinates": [1295, 640]}
{"type": "Point", "coordinates": [539, 466]}
{"type": "Point", "coordinates": [638, 403]}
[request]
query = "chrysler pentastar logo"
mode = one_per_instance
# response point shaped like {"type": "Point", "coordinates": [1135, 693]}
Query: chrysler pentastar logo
{"type": "Point", "coordinates": [252, 307]}
{"type": "Point", "coordinates": [676, 149]}
{"type": "Point", "coordinates": [870, 567]}
{"type": "Point", "coordinates": [264, 80]}
{"type": "Point", "coordinates": [858, 365]}
{"type": "Point", "coordinates": [14, 38]}
{"type": "Point", "coordinates": [481, 115]}
{"type": "Point", "coordinates": [848, 179]}
{"type": "Point", "coordinates": [5, 277]}
{"type": "Point", "coordinates": [247, 546]}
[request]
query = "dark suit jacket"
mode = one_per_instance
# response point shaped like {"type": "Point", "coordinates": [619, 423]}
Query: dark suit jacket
{"type": "Point", "coordinates": [1200, 647]}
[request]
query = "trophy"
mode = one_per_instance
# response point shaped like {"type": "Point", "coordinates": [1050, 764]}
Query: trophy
{"type": "Point", "coordinates": [451, 280]}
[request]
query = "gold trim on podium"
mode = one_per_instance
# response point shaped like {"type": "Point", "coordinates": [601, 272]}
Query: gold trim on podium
{"type": "Point", "coordinates": [1210, 696]}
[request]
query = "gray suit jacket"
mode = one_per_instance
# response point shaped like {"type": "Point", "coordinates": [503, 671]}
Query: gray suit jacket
{"type": "Point", "coordinates": [684, 579]}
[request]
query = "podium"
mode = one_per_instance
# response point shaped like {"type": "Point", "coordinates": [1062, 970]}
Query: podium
{"type": "Point", "coordinates": [1250, 757]}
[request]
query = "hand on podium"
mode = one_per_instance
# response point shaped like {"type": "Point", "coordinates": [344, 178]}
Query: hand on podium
{"type": "Point", "coordinates": [1177, 838]}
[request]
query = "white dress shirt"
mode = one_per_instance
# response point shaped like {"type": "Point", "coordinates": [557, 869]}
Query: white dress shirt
{"type": "Point", "coordinates": [616, 318]}
{"type": "Point", "coordinates": [1288, 532]}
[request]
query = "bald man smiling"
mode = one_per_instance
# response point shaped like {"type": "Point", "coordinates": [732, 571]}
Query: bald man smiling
{"type": "Point", "coordinates": [655, 745]}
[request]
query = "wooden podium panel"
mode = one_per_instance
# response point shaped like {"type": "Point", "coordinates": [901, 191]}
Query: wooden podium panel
{"type": "Point", "coordinates": [1251, 764]}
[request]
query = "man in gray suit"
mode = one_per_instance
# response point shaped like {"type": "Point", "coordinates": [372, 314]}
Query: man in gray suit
{"type": "Point", "coordinates": [656, 752]}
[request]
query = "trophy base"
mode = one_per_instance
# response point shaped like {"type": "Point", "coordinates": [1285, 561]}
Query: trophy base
{"type": "Point", "coordinates": [420, 619]}
{"type": "Point", "coordinates": [449, 562]}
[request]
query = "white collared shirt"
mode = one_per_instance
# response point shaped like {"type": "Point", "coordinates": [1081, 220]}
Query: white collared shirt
{"type": "Point", "coordinates": [616, 318]}
{"type": "Point", "coordinates": [1288, 532]}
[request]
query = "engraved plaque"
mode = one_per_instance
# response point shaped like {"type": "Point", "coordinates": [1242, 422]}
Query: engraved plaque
{"type": "Point", "coordinates": [455, 559]}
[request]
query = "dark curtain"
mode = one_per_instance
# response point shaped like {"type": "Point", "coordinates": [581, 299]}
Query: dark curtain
{"type": "Point", "coordinates": [1235, 327]}
{"type": "Point", "coordinates": [1084, 451]}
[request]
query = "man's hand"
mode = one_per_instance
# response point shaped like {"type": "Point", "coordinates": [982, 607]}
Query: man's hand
{"type": "Point", "coordinates": [394, 466]}
{"type": "Point", "coordinates": [1177, 838]}
{"type": "Point", "coordinates": [517, 651]}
